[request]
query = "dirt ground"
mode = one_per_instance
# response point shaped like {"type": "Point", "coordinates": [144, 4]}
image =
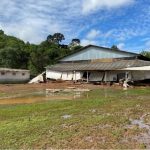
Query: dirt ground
{"type": "Point", "coordinates": [32, 93]}
{"type": "Point", "coordinates": [10, 88]}
{"type": "Point", "coordinates": [19, 87]}
{"type": "Point", "coordinates": [104, 118]}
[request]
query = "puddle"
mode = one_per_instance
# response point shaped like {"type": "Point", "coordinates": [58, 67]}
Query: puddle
{"type": "Point", "coordinates": [22, 100]}
{"type": "Point", "coordinates": [41, 96]}
{"type": "Point", "coordinates": [70, 93]}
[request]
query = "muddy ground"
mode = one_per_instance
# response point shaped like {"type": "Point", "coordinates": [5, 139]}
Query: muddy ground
{"type": "Point", "coordinates": [21, 87]}
{"type": "Point", "coordinates": [104, 118]}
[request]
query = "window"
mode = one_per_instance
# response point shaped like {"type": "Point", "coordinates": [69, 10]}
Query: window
{"type": "Point", "coordinates": [2, 73]}
{"type": "Point", "coordinates": [14, 73]}
{"type": "Point", "coordinates": [23, 74]}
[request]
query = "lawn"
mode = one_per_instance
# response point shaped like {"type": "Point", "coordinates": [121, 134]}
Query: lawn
{"type": "Point", "coordinates": [102, 119]}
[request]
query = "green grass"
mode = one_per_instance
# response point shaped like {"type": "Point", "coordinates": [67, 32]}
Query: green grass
{"type": "Point", "coordinates": [97, 121]}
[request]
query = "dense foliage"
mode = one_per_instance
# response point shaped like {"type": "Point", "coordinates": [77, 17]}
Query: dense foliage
{"type": "Point", "coordinates": [146, 53]}
{"type": "Point", "coordinates": [15, 53]}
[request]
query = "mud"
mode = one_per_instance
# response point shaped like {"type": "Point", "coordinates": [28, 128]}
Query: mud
{"type": "Point", "coordinates": [22, 100]}
{"type": "Point", "coordinates": [32, 93]}
{"type": "Point", "coordinates": [28, 97]}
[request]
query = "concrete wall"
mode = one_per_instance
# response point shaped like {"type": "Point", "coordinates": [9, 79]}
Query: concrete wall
{"type": "Point", "coordinates": [14, 76]}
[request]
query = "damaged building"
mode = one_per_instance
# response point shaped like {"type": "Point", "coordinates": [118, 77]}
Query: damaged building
{"type": "Point", "coordinates": [9, 75]}
{"type": "Point", "coordinates": [99, 64]}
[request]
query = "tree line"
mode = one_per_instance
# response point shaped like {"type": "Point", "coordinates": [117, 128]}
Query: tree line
{"type": "Point", "coordinates": [15, 53]}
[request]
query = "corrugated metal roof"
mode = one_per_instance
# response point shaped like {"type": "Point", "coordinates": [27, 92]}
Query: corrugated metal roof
{"type": "Point", "coordinates": [88, 66]}
{"type": "Point", "coordinates": [144, 68]}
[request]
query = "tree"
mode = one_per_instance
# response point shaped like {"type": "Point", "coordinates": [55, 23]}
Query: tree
{"type": "Point", "coordinates": [41, 57]}
{"type": "Point", "coordinates": [13, 58]}
{"type": "Point", "coordinates": [15, 53]}
{"type": "Point", "coordinates": [114, 47]}
{"type": "Point", "coordinates": [1, 32]}
{"type": "Point", "coordinates": [50, 38]}
{"type": "Point", "coordinates": [146, 53]}
{"type": "Point", "coordinates": [3, 40]}
{"type": "Point", "coordinates": [58, 37]}
{"type": "Point", "coordinates": [55, 38]}
{"type": "Point", "coordinates": [74, 43]}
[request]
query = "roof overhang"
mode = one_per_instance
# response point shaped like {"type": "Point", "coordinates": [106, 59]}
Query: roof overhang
{"type": "Point", "coordinates": [143, 68]}
{"type": "Point", "coordinates": [102, 66]}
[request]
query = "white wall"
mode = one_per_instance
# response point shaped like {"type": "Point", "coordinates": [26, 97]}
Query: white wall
{"type": "Point", "coordinates": [77, 75]}
{"type": "Point", "coordinates": [14, 76]}
{"type": "Point", "coordinates": [140, 75]}
{"type": "Point", "coordinates": [97, 75]}
{"type": "Point", "coordinates": [68, 76]}
{"type": "Point", "coordinates": [53, 74]}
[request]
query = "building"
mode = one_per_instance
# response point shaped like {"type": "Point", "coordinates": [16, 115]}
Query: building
{"type": "Point", "coordinates": [8, 75]}
{"type": "Point", "coordinates": [99, 64]}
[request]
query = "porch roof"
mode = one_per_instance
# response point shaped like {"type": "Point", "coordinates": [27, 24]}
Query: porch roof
{"type": "Point", "coordinates": [101, 66]}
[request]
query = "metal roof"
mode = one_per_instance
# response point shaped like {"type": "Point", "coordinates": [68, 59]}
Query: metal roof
{"type": "Point", "coordinates": [91, 66]}
{"type": "Point", "coordinates": [143, 68]}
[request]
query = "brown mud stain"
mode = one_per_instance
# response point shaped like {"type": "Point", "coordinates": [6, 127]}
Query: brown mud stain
{"type": "Point", "coordinates": [35, 99]}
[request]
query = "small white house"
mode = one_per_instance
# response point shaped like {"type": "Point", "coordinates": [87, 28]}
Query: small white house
{"type": "Point", "coordinates": [8, 75]}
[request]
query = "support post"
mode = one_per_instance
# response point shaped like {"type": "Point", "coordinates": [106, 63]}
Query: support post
{"type": "Point", "coordinates": [87, 77]}
{"type": "Point", "coordinates": [126, 76]}
{"type": "Point", "coordinates": [75, 76]}
{"type": "Point", "coordinates": [105, 76]}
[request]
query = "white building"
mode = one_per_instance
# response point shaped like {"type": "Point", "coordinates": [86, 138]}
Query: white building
{"type": "Point", "coordinates": [93, 63]}
{"type": "Point", "coordinates": [8, 75]}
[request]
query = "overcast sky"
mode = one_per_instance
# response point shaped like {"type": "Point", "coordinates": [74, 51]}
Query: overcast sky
{"type": "Point", "coordinates": [125, 23]}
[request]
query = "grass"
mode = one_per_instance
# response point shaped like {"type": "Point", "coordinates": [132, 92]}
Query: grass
{"type": "Point", "coordinates": [97, 121]}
